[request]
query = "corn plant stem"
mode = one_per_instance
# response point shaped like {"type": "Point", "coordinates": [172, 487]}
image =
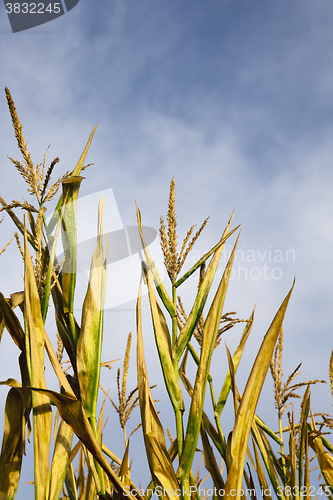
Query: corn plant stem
{"type": "Point", "coordinates": [174, 318]}
{"type": "Point", "coordinates": [282, 448]}
{"type": "Point", "coordinates": [99, 469]}
{"type": "Point", "coordinates": [193, 483]}
{"type": "Point", "coordinates": [185, 490]}
{"type": "Point", "coordinates": [178, 413]}
{"type": "Point", "coordinates": [125, 437]}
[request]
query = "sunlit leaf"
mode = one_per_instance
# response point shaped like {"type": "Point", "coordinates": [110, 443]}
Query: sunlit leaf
{"type": "Point", "coordinates": [158, 458]}
{"type": "Point", "coordinates": [250, 398]}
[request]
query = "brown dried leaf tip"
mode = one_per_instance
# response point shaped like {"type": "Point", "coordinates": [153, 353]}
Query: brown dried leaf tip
{"type": "Point", "coordinates": [173, 260]}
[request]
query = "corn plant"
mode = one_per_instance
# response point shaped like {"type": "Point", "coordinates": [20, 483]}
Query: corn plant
{"type": "Point", "coordinates": [179, 336]}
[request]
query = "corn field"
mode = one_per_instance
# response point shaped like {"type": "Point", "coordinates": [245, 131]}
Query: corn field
{"type": "Point", "coordinates": [64, 423]}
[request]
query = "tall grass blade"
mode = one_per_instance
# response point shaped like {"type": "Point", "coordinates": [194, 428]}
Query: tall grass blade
{"type": "Point", "coordinates": [261, 475]}
{"type": "Point", "coordinates": [199, 303]}
{"type": "Point", "coordinates": [71, 188]}
{"type": "Point", "coordinates": [163, 343]}
{"type": "Point", "coordinates": [203, 259]}
{"type": "Point", "coordinates": [90, 342]}
{"type": "Point", "coordinates": [208, 340]}
{"type": "Point", "coordinates": [303, 439]}
{"type": "Point", "coordinates": [42, 414]}
{"type": "Point", "coordinates": [158, 458]}
{"type": "Point", "coordinates": [250, 398]}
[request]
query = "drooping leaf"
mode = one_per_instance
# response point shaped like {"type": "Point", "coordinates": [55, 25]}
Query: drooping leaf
{"type": "Point", "coordinates": [71, 410]}
{"type": "Point", "coordinates": [12, 445]}
{"type": "Point", "coordinates": [71, 188]}
{"type": "Point", "coordinates": [261, 475]}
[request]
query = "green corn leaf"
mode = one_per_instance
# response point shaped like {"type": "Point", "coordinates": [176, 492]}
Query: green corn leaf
{"type": "Point", "coordinates": [12, 445]}
{"type": "Point", "coordinates": [199, 303]}
{"type": "Point", "coordinates": [42, 414]}
{"type": "Point", "coordinates": [163, 343]}
{"type": "Point", "coordinates": [76, 171]}
{"type": "Point", "coordinates": [157, 280]}
{"type": "Point", "coordinates": [71, 188]}
{"type": "Point", "coordinates": [90, 342]}
{"type": "Point", "coordinates": [235, 360]}
{"type": "Point", "coordinates": [208, 340]}
{"type": "Point", "coordinates": [250, 398]}
{"type": "Point", "coordinates": [158, 458]}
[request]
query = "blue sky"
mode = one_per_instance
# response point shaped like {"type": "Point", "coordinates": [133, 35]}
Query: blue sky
{"type": "Point", "coordinates": [233, 98]}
